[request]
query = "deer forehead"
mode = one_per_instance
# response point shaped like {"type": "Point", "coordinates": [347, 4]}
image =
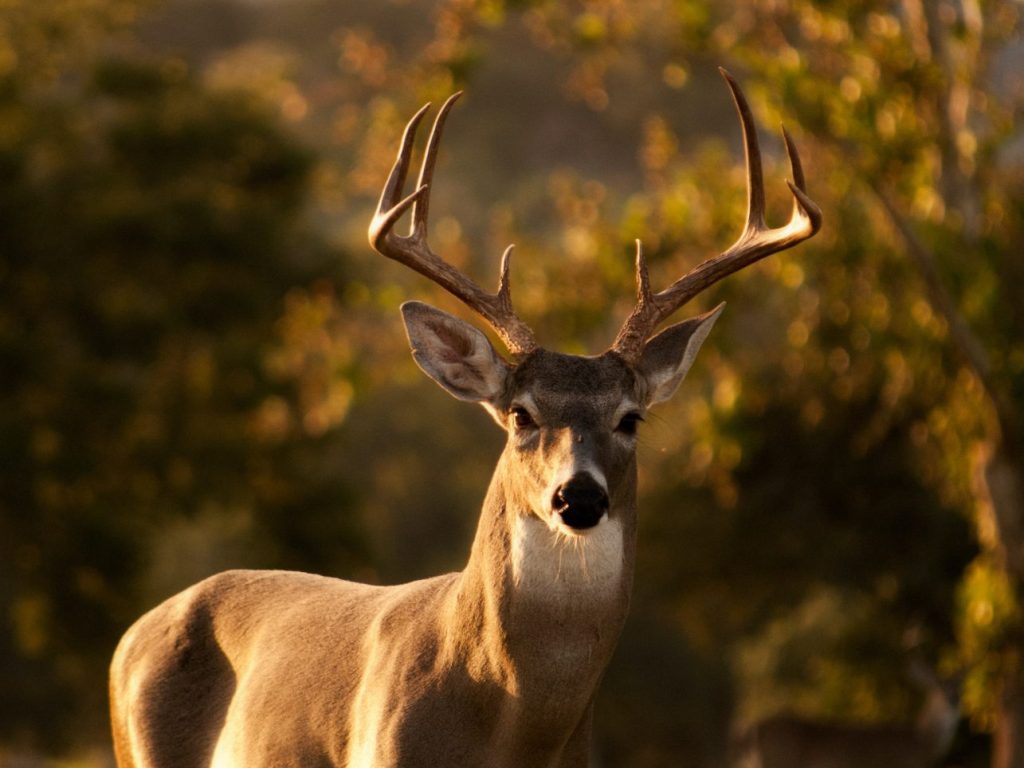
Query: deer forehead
{"type": "Point", "coordinates": [570, 388]}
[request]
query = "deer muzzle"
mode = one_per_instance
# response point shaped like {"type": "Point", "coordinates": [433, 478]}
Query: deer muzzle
{"type": "Point", "coordinates": [580, 502]}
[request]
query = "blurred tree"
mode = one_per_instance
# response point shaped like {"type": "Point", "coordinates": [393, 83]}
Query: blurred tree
{"type": "Point", "coordinates": [161, 401]}
{"type": "Point", "coordinates": [922, 121]}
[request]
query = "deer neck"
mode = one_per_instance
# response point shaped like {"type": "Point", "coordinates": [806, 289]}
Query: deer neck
{"type": "Point", "coordinates": [543, 610]}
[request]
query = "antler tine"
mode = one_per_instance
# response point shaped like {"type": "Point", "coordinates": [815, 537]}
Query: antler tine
{"type": "Point", "coordinates": [751, 155]}
{"type": "Point", "coordinates": [803, 207]}
{"type": "Point", "coordinates": [391, 205]}
{"type": "Point", "coordinates": [413, 250]}
{"type": "Point", "coordinates": [755, 242]}
{"type": "Point", "coordinates": [422, 205]}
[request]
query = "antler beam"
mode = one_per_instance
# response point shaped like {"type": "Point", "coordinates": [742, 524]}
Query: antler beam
{"type": "Point", "coordinates": [413, 250]}
{"type": "Point", "coordinates": [757, 240]}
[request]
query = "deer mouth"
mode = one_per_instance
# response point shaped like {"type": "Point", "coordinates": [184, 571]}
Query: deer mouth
{"type": "Point", "coordinates": [581, 502]}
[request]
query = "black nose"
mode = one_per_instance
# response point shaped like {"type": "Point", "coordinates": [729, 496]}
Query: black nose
{"type": "Point", "coordinates": [580, 502]}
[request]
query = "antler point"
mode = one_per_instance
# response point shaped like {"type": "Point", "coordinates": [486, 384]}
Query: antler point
{"type": "Point", "coordinates": [643, 281]}
{"type": "Point", "coordinates": [451, 100]}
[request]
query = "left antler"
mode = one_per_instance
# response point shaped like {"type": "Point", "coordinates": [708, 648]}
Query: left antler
{"type": "Point", "coordinates": [413, 250]}
{"type": "Point", "coordinates": [757, 241]}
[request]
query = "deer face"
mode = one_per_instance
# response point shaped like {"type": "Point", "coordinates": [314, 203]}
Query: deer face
{"type": "Point", "coordinates": [572, 425]}
{"type": "Point", "coordinates": [572, 421]}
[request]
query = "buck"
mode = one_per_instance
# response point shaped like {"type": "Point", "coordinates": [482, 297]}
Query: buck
{"type": "Point", "coordinates": [496, 665]}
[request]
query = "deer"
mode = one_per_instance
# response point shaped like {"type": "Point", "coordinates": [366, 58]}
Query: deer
{"type": "Point", "coordinates": [792, 741]}
{"type": "Point", "coordinates": [496, 665]}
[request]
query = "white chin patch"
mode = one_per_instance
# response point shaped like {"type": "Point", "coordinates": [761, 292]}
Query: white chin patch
{"type": "Point", "coordinates": [555, 563]}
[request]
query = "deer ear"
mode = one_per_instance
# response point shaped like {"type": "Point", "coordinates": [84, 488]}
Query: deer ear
{"type": "Point", "coordinates": [454, 353]}
{"type": "Point", "coordinates": [668, 356]}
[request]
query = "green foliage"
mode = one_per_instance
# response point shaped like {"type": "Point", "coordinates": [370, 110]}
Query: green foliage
{"type": "Point", "coordinates": [151, 229]}
{"type": "Point", "coordinates": [990, 631]}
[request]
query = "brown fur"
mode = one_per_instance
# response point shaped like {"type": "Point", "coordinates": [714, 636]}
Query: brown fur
{"type": "Point", "coordinates": [494, 666]}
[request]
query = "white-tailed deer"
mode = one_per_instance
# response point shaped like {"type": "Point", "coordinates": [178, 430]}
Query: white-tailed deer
{"type": "Point", "coordinates": [496, 665]}
{"type": "Point", "coordinates": [790, 741]}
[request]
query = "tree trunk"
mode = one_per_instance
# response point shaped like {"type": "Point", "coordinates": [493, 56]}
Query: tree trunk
{"type": "Point", "coordinates": [1008, 741]}
{"type": "Point", "coordinates": [1004, 483]}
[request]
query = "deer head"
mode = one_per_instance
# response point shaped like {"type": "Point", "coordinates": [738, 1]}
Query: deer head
{"type": "Point", "coordinates": [571, 420]}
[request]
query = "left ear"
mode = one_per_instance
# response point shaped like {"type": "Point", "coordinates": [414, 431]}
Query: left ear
{"type": "Point", "coordinates": [668, 356]}
{"type": "Point", "coordinates": [454, 354]}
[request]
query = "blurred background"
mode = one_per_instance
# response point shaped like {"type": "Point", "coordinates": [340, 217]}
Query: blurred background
{"type": "Point", "coordinates": [202, 364]}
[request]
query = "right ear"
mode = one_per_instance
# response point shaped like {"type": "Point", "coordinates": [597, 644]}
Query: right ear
{"type": "Point", "coordinates": [668, 356]}
{"type": "Point", "coordinates": [454, 354]}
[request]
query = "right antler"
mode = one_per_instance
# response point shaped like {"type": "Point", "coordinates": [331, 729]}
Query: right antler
{"type": "Point", "coordinates": [755, 242]}
{"type": "Point", "coordinates": [413, 250]}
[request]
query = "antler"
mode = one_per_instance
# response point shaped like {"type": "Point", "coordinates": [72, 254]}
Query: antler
{"type": "Point", "coordinates": [413, 250]}
{"type": "Point", "coordinates": [757, 241]}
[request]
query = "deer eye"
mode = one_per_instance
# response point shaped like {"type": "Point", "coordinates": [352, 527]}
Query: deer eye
{"type": "Point", "coordinates": [628, 424]}
{"type": "Point", "coordinates": [522, 418]}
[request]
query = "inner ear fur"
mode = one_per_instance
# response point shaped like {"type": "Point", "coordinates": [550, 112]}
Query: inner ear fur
{"type": "Point", "coordinates": [668, 356]}
{"type": "Point", "coordinates": [454, 354]}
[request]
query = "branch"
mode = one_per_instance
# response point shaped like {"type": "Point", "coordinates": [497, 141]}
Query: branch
{"type": "Point", "coordinates": [964, 339]}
